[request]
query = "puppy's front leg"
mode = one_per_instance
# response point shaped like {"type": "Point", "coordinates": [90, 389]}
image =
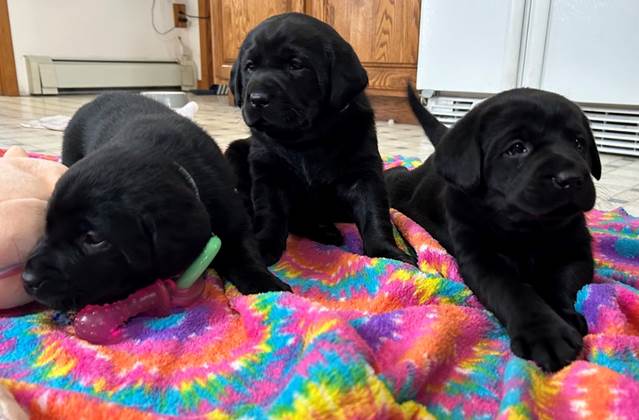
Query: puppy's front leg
{"type": "Point", "coordinates": [536, 331]}
{"type": "Point", "coordinates": [367, 198]}
{"type": "Point", "coordinates": [271, 205]}
{"type": "Point", "coordinates": [560, 290]}
{"type": "Point", "coordinates": [238, 262]}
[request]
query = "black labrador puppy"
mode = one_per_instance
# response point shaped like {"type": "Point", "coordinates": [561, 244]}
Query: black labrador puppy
{"type": "Point", "coordinates": [312, 158]}
{"type": "Point", "coordinates": [145, 190]}
{"type": "Point", "coordinates": [505, 192]}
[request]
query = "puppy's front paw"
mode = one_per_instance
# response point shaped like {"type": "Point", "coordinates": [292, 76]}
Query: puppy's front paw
{"type": "Point", "coordinates": [391, 252]}
{"type": "Point", "coordinates": [271, 247]}
{"type": "Point", "coordinates": [575, 319]}
{"type": "Point", "coordinates": [551, 343]}
{"type": "Point", "coordinates": [261, 281]}
{"type": "Point", "coordinates": [326, 234]}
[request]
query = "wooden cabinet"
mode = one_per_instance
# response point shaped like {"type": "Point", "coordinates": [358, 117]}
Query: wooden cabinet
{"type": "Point", "coordinates": [232, 20]}
{"type": "Point", "coordinates": [384, 33]}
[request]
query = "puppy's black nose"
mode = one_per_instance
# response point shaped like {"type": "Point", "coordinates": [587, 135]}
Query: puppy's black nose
{"type": "Point", "coordinates": [30, 280]}
{"type": "Point", "coordinates": [259, 99]}
{"type": "Point", "coordinates": [568, 179]}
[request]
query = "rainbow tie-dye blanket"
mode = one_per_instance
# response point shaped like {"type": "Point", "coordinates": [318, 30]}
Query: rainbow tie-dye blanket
{"type": "Point", "coordinates": [360, 338]}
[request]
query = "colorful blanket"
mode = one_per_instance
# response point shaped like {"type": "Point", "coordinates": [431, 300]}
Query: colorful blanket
{"type": "Point", "coordinates": [359, 338]}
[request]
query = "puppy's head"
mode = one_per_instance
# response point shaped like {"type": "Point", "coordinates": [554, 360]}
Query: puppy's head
{"type": "Point", "coordinates": [290, 69]}
{"type": "Point", "coordinates": [528, 153]}
{"type": "Point", "coordinates": [111, 231]}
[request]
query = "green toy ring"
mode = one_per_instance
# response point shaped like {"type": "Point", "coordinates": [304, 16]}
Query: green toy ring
{"type": "Point", "coordinates": [200, 264]}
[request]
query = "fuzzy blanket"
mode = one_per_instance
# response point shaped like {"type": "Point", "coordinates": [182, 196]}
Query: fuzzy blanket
{"type": "Point", "coordinates": [360, 338]}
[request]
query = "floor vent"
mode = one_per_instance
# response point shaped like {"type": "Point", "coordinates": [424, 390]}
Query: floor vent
{"type": "Point", "coordinates": [448, 110]}
{"type": "Point", "coordinates": [616, 130]}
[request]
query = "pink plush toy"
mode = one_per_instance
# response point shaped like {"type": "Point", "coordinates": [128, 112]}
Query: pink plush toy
{"type": "Point", "coordinates": [25, 186]}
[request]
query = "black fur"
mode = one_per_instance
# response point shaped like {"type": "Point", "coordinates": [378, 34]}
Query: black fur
{"type": "Point", "coordinates": [505, 193]}
{"type": "Point", "coordinates": [126, 212]}
{"type": "Point", "coordinates": [312, 157]}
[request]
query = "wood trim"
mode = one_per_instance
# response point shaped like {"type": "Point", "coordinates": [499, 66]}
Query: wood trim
{"type": "Point", "coordinates": [8, 76]}
{"type": "Point", "coordinates": [206, 53]}
{"type": "Point", "coordinates": [216, 33]}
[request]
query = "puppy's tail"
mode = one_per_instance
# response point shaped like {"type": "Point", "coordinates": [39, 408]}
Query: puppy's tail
{"type": "Point", "coordinates": [431, 125]}
{"type": "Point", "coordinates": [237, 155]}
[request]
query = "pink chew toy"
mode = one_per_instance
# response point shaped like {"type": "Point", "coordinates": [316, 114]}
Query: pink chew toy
{"type": "Point", "coordinates": [104, 324]}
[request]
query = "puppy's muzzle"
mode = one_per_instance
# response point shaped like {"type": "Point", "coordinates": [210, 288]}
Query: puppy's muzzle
{"type": "Point", "coordinates": [569, 180]}
{"type": "Point", "coordinates": [31, 282]}
{"type": "Point", "coordinates": [259, 99]}
{"type": "Point", "coordinates": [35, 278]}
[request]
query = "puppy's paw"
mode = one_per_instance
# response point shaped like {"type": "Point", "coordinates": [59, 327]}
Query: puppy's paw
{"type": "Point", "coordinates": [575, 319]}
{"type": "Point", "coordinates": [550, 343]}
{"type": "Point", "coordinates": [391, 252]}
{"type": "Point", "coordinates": [326, 234]}
{"type": "Point", "coordinates": [271, 247]}
{"type": "Point", "coordinates": [261, 281]}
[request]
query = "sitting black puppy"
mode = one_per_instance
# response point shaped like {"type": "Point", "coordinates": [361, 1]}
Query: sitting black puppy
{"type": "Point", "coordinates": [145, 190]}
{"type": "Point", "coordinates": [505, 193]}
{"type": "Point", "coordinates": [312, 157]}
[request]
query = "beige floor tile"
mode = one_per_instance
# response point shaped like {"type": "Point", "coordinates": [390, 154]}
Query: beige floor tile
{"type": "Point", "coordinates": [619, 185]}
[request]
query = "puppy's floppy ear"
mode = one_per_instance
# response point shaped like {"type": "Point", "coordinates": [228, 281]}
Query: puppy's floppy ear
{"type": "Point", "coordinates": [235, 82]}
{"type": "Point", "coordinates": [593, 162]}
{"type": "Point", "coordinates": [458, 157]}
{"type": "Point", "coordinates": [348, 76]}
{"type": "Point", "coordinates": [177, 233]}
{"type": "Point", "coordinates": [131, 236]}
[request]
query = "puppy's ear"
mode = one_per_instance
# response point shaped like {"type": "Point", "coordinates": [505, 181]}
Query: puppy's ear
{"type": "Point", "coordinates": [177, 233]}
{"type": "Point", "coordinates": [132, 238]}
{"type": "Point", "coordinates": [458, 157]}
{"type": "Point", "coordinates": [348, 76]}
{"type": "Point", "coordinates": [235, 82]}
{"type": "Point", "coordinates": [594, 162]}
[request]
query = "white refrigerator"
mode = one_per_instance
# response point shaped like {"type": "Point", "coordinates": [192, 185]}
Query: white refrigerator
{"type": "Point", "coordinates": [586, 50]}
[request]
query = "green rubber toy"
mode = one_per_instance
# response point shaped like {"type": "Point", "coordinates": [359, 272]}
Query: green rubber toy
{"type": "Point", "coordinates": [197, 268]}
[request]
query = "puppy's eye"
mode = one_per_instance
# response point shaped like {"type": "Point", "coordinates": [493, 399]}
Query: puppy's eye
{"type": "Point", "coordinates": [516, 149]}
{"type": "Point", "coordinates": [295, 64]}
{"type": "Point", "coordinates": [580, 143]}
{"type": "Point", "coordinates": [94, 241]}
{"type": "Point", "coordinates": [249, 66]}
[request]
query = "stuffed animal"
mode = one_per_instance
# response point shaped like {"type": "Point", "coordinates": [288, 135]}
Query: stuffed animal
{"type": "Point", "coordinates": [25, 186]}
{"type": "Point", "coordinates": [9, 408]}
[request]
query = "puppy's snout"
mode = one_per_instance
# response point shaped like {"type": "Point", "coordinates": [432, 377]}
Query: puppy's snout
{"type": "Point", "coordinates": [568, 180]}
{"type": "Point", "coordinates": [30, 280]}
{"type": "Point", "coordinates": [259, 99]}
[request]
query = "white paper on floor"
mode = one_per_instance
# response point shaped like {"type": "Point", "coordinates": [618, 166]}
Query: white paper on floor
{"type": "Point", "coordinates": [59, 122]}
{"type": "Point", "coordinates": [56, 123]}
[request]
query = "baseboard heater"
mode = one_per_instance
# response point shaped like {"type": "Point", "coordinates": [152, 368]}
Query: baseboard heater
{"type": "Point", "coordinates": [52, 76]}
{"type": "Point", "coordinates": [616, 128]}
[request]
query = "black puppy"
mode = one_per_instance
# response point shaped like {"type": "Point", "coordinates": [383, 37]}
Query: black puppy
{"type": "Point", "coordinates": [313, 157]}
{"type": "Point", "coordinates": [505, 193]}
{"type": "Point", "coordinates": [145, 190]}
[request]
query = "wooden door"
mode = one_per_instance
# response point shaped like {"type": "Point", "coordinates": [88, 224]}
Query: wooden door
{"type": "Point", "coordinates": [384, 33]}
{"type": "Point", "coordinates": [232, 20]}
{"type": "Point", "coordinates": [8, 79]}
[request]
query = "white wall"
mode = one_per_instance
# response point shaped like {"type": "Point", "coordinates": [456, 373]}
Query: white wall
{"type": "Point", "coordinates": [98, 29]}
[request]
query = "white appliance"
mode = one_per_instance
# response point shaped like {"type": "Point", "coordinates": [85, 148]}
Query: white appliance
{"type": "Point", "coordinates": [586, 50]}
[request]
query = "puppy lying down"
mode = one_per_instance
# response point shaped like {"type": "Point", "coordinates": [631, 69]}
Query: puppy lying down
{"type": "Point", "coordinates": [145, 190]}
{"type": "Point", "coordinates": [505, 193]}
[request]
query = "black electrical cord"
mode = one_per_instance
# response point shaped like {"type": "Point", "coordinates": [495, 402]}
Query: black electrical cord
{"type": "Point", "coordinates": [195, 17]}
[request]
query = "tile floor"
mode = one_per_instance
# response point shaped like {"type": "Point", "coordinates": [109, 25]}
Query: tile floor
{"type": "Point", "coordinates": [619, 186]}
